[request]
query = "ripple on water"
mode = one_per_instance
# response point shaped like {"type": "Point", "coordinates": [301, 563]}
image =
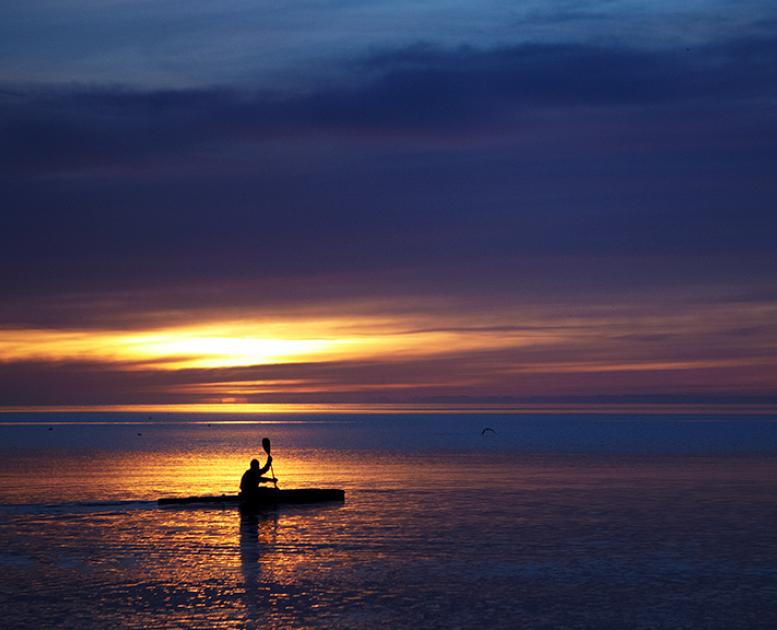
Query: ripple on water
{"type": "Point", "coordinates": [516, 540]}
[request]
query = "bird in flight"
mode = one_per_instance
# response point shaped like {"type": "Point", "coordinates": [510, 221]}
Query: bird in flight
{"type": "Point", "coordinates": [486, 430]}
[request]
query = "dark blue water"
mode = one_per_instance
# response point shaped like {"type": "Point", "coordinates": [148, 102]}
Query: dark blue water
{"type": "Point", "coordinates": [551, 521]}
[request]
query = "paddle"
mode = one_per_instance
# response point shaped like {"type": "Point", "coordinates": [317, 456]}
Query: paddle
{"type": "Point", "coordinates": [266, 447]}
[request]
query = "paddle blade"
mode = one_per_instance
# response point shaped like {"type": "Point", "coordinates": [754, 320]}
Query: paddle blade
{"type": "Point", "coordinates": [266, 445]}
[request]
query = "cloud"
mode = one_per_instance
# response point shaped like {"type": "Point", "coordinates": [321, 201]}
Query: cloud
{"type": "Point", "coordinates": [477, 176]}
{"type": "Point", "coordinates": [419, 91]}
{"type": "Point", "coordinates": [576, 351]}
{"type": "Point", "coordinates": [506, 376]}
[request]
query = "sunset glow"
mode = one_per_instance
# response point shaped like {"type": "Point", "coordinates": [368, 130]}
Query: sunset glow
{"type": "Point", "coordinates": [571, 210]}
{"type": "Point", "coordinates": [421, 359]}
{"type": "Point", "coordinates": [235, 344]}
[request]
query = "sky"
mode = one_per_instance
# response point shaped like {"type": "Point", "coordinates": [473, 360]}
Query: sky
{"type": "Point", "coordinates": [373, 203]}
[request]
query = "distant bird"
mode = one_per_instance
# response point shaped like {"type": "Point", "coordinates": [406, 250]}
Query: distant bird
{"type": "Point", "coordinates": [139, 434]}
{"type": "Point", "coordinates": [486, 430]}
{"type": "Point", "coordinates": [208, 423]}
{"type": "Point", "coordinates": [51, 428]}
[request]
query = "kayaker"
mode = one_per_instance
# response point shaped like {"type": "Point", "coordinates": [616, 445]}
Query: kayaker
{"type": "Point", "coordinates": [253, 477]}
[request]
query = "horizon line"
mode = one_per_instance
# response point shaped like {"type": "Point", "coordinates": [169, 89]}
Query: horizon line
{"type": "Point", "coordinates": [408, 408]}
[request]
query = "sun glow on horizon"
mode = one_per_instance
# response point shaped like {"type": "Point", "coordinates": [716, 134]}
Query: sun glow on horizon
{"type": "Point", "coordinates": [241, 344]}
{"type": "Point", "coordinates": [415, 358]}
{"type": "Point", "coordinates": [205, 352]}
{"type": "Point", "coordinates": [166, 349]}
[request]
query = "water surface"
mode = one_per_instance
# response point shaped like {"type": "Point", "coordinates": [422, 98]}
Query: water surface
{"type": "Point", "coordinates": [554, 521]}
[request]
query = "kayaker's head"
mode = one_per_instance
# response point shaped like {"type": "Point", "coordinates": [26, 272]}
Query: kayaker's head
{"type": "Point", "coordinates": [254, 464]}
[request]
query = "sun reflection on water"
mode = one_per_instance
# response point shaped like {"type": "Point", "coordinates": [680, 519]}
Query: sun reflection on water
{"type": "Point", "coordinates": [438, 524]}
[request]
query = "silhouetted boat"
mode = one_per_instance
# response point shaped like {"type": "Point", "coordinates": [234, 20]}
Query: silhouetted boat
{"type": "Point", "coordinates": [266, 497]}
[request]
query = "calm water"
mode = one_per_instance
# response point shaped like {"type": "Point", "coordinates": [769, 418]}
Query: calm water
{"type": "Point", "coordinates": [554, 521]}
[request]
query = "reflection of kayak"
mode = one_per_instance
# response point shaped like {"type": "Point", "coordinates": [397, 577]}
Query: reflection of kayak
{"type": "Point", "coordinates": [264, 496]}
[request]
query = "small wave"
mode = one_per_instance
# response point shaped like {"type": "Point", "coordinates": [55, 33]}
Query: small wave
{"type": "Point", "coordinates": [112, 503]}
{"type": "Point", "coordinates": [77, 505]}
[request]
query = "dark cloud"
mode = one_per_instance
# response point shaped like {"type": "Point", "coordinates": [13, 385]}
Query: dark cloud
{"type": "Point", "coordinates": [488, 175]}
{"type": "Point", "coordinates": [421, 90]}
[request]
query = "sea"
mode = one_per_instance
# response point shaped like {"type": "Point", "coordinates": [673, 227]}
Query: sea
{"type": "Point", "coordinates": [547, 520]}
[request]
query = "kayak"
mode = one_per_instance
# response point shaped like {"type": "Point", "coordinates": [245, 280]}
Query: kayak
{"type": "Point", "coordinates": [264, 497]}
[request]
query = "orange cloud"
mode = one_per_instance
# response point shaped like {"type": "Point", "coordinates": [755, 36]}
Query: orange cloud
{"type": "Point", "coordinates": [248, 358]}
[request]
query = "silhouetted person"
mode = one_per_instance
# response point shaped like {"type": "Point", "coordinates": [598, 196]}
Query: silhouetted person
{"type": "Point", "coordinates": [252, 477]}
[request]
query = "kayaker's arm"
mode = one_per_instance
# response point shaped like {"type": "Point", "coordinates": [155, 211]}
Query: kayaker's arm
{"type": "Point", "coordinates": [267, 480]}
